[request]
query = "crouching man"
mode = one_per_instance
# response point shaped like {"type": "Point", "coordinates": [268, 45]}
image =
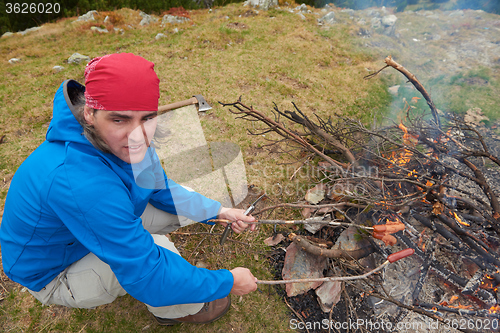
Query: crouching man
{"type": "Point", "coordinates": [87, 212]}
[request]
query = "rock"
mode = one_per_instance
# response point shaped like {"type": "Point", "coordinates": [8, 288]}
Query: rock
{"type": "Point", "coordinates": [457, 13]}
{"type": "Point", "coordinates": [329, 294]}
{"type": "Point", "coordinates": [88, 17]}
{"type": "Point", "coordinates": [301, 16]}
{"type": "Point", "coordinates": [301, 265]}
{"type": "Point", "coordinates": [373, 12]}
{"type": "Point", "coordinates": [262, 4]}
{"type": "Point", "coordinates": [389, 23]}
{"type": "Point", "coordinates": [77, 58]}
{"type": "Point", "coordinates": [147, 19]}
{"type": "Point", "coordinates": [175, 30]}
{"type": "Point", "coordinates": [394, 90]}
{"type": "Point", "coordinates": [57, 69]}
{"type": "Point", "coordinates": [327, 19]}
{"type": "Point", "coordinates": [160, 36]}
{"type": "Point", "coordinates": [389, 20]}
{"type": "Point", "coordinates": [14, 61]}
{"type": "Point", "coordinates": [107, 20]}
{"type": "Point", "coordinates": [348, 11]}
{"type": "Point", "coordinates": [376, 22]}
{"type": "Point", "coordinates": [348, 240]}
{"type": "Point", "coordinates": [119, 30]}
{"type": "Point", "coordinates": [24, 32]}
{"type": "Point", "coordinates": [302, 8]}
{"type": "Point", "coordinates": [7, 34]}
{"type": "Point", "coordinates": [171, 19]}
{"type": "Point", "coordinates": [99, 30]}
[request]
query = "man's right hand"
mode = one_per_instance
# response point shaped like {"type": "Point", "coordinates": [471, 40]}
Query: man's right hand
{"type": "Point", "coordinates": [244, 281]}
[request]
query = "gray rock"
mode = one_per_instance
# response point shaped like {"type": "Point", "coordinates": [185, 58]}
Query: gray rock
{"type": "Point", "coordinates": [457, 13]}
{"type": "Point", "coordinates": [14, 61]}
{"type": "Point", "coordinates": [119, 30]}
{"type": "Point", "coordinates": [389, 20]}
{"type": "Point", "coordinates": [329, 294]}
{"type": "Point", "coordinates": [99, 30]}
{"type": "Point", "coordinates": [348, 11]}
{"type": "Point", "coordinates": [7, 34]}
{"type": "Point", "coordinates": [24, 32]}
{"type": "Point", "coordinates": [160, 36]}
{"type": "Point", "coordinates": [327, 19]}
{"type": "Point", "coordinates": [88, 17]}
{"type": "Point", "coordinates": [171, 19]}
{"type": "Point", "coordinates": [262, 4]}
{"type": "Point", "coordinates": [77, 58]}
{"type": "Point", "coordinates": [301, 16]}
{"type": "Point", "coordinates": [373, 12]}
{"type": "Point", "coordinates": [348, 241]}
{"type": "Point", "coordinates": [302, 8]}
{"type": "Point", "coordinates": [57, 69]}
{"type": "Point", "coordinates": [147, 19]}
{"type": "Point", "coordinates": [376, 22]}
{"type": "Point", "coordinates": [300, 264]}
{"type": "Point", "coordinates": [106, 20]}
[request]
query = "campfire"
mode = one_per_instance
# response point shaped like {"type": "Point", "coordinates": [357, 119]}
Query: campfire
{"type": "Point", "coordinates": [429, 182]}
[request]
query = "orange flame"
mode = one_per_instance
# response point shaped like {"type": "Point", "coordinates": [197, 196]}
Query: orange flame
{"type": "Point", "coordinates": [460, 221]}
{"type": "Point", "coordinates": [494, 309]}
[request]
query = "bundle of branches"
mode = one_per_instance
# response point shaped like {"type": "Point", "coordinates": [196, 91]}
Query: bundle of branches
{"type": "Point", "coordinates": [429, 170]}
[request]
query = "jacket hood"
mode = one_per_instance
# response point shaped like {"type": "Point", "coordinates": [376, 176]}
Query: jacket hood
{"type": "Point", "coordinates": [64, 126]}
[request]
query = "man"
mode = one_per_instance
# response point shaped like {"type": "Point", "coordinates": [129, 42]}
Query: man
{"type": "Point", "coordinates": [86, 214]}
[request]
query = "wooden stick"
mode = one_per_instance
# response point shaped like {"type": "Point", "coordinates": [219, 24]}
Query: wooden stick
{"type": "Point", "coordinates": [326, 279]}
{"type": "Point", "coordinates": [297, 222]}
{"type": "Point", "coordinates": [413, 79]}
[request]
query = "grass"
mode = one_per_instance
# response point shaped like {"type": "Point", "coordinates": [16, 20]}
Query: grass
{"type": "Point", "coordinates": [267, 57]}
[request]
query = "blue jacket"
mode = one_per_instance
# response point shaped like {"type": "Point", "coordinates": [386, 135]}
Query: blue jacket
{"type": "Point", "coordinates": [68, 199]}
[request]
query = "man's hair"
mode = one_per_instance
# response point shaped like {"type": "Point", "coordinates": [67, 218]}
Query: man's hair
{"type": "Point", "coordinates": [78, 99]}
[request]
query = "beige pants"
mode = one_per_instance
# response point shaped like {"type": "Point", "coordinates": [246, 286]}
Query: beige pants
{"type": "Point", "coordinates": [89, 282]}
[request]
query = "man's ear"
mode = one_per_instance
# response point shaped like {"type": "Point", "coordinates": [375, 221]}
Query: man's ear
{"type": "Point", "coordinates": [88, 114]}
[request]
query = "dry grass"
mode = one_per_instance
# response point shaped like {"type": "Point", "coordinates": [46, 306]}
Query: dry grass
{"type": "Point", "coordinates": [273, 56]}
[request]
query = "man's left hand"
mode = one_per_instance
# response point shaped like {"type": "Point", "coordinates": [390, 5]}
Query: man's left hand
{"type": "Point", "coordinates": [238, 218]}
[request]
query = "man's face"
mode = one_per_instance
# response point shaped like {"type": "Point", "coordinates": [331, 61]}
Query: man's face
{"type": "Point", "coordinates": [127, 133]}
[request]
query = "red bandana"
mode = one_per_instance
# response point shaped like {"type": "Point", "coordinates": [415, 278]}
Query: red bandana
{"type": "Point", "coordinates": [121, 82]}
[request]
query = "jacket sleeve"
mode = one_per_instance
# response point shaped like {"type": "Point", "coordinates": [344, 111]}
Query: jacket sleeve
{"type": "Point", "coordinates": [96, 207]}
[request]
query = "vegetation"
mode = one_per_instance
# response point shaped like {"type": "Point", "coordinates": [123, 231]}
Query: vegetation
{"type": "Point", "coordinates": [14, 20]}
{"type": "Point", "coordinates": [223, 54]}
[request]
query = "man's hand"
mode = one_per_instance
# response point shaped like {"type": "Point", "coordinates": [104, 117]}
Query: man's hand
{"type": "Point", "coordinates": [244, 281]}
{"type": "Point", "coordinates": [236, 215]}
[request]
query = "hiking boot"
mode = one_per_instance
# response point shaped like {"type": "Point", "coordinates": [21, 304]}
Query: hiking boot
{"type": "Point", "coordinates": [209, 312]}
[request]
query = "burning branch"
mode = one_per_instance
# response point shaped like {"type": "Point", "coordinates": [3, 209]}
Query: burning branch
{"type": "Point", "coordinates": [429, 177]}
{"type": "Point", "coordinates": [413, 79]}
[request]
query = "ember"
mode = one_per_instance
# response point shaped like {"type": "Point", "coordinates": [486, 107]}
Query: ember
{"type": "Point", "coordinates": [433, 186]}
